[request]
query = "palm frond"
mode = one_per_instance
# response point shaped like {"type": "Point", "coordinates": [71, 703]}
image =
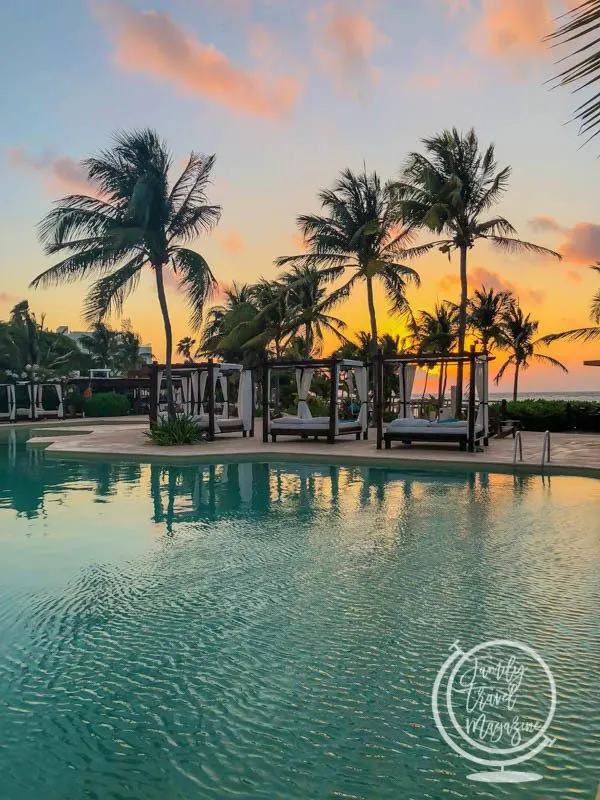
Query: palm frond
{"type": "Point", "coordinates": [197, 281]}
{"type": "Point", "coordinates": [108, 295]}
{"type": "Point", "coordinates": [517, 246]}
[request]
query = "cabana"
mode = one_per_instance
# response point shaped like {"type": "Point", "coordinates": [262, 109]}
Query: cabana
{"type": "Point", "coordinates": [355, 375]}
{"type": "Point", "coordinates": [28, 399]}
{"type": "Point", "coordinates": [406, 428]}
{"type": "Point", "coordinates": [195, 390]}
{"type": "Point", "coordinates": [7, 390]}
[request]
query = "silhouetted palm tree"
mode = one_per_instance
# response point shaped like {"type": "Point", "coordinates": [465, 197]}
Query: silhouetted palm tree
{"type": "Point", "coordinates": [448, 191]}
{"type": "Point", "coordinates": [579, 28]}
{"type": "Point", "coordinates": [136, 221]}
{"type": "Point", "coordinates": [436, 334]}
{"type": "Point", "coordinates": [518, 338]}
{"type": "Point", "coordinates": [358, 234]}
{"type": "Point", "coordinates": [309, 305]}
{"type": "Point", "coordinates": [185, 347]}
{"type": "Point", "coordinates": [485, 310]}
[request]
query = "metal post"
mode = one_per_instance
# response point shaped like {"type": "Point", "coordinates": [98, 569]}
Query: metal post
{"type": "Point", "coordinates": [252, 400]}
{"type": "Point", "coordinates": [265, 401]}
{"type": "Point", "coordinates": [211, 400]}
{"type": "Point", "coordinates": [471, 411]}
{"type": "Point", "coordinates": [379, 404]}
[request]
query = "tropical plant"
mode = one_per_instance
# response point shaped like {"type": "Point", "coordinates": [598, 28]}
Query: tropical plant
{"type": "Point", "coordinates": [106, 404]}
{"type": "Point", "coordinates": [222, 320]}
{"type": "Point", "coordinates": [582, 334]}
{"type": "Point", "coordinates": [485, 310]}
{"type": "Point", "coordinates": [102, 344]}
{"type": "Point", "coordinates": [128, 348]}
{"type": "Point", "coordinates": [436, 333]}
{"type": "Point", "coordinates": [579, 28]}
{"type": "Point", "coordinates": [27, 348]}
{"type": "Point", "coordinates": [185, 347]}
{"type": "Point", "coordinates": [180, 429]}
{"type": "Point", "coordinates": [518, 338]}
{"type": "Point", "coordinates": [309, 305]}
{"type": "Point", "coordinates": [135, 220]}
{"type": "Point", "coordinates": [358, 234]}
{"type": "Point", "coordinates": [447, 191]}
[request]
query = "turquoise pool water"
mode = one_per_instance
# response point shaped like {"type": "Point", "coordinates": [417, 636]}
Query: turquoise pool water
{"type": "Point", "coordinates": [274, 631]}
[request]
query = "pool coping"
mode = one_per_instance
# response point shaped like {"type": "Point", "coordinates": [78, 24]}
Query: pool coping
{"type": "Point", "coordinates": [66, 445]}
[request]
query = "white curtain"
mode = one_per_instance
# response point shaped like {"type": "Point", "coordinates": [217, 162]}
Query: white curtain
{"type": "Point", "coordinates": [203, 382]}
{"type": "Point", "coordinates": [40, 396]}
{"type": "Point", "coordinates": [12, 402]}
{"type": "Point", "coordinates": [32, 392]}
{"type": "Point", "coordinates": [245, 409]}
{"type": "Point", "coordinates": [336, 377]}
{"type": "Point", "coordinates": [453, 398]}
{"type": "Point", "coordinates": [303, 381]}
{"type": "Point", "coordinates": [361, 378]}
{"type": "Point", "coordinates": [185, 394]}
{"type": "Point", "coordinates": [159, 377]}
{"type": "Point", "coordinates": [407, 381]}
{"type": "Point", "coordinates": [350, 382]}
{"type": "Point", "coordinates": [481, 385]}
{"type": "Point", "coordinates": [59, 394]}
{"type": "Point", "coordinates": [223, 382]}
{"type": "Point", "coordinates": [195, 402]}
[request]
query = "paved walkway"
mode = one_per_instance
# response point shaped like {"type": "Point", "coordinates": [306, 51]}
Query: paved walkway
{"type": "Point", "coordinates": [570, 453]}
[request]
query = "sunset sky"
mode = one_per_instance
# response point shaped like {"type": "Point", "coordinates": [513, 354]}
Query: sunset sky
{"type": "Point", "coordinates": [287, 93]}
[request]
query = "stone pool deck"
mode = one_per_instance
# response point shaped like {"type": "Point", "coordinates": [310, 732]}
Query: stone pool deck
{"type": "Point", "coordinates": [571, 454]}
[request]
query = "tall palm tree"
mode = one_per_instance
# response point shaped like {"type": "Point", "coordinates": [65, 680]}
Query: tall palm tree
{"type": "Point", "coordinates": [447, 191]}
{"type": "Point", "coordinates": [518, 339]}
{"type": "Point", "coordinates": [309, 304]}
{"type": "Point", "coordinates": [185, 347]}
{"type": "Point", "coordinates": [485, 310]}
{"type": "Point", "coordinates": [582, 334]}
{"type": "Point", "coordinates": [128, 348]}
{"type": "Point", "coordinates": [137, 220]}
{"type": "Point", "coordinates": [579, 27]}
{"type": "Point", "coordinates": [358, 234]}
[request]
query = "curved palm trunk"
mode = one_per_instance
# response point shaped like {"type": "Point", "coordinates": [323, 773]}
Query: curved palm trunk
{"type": "Point", "coordinates": [162, 299]}
{"type": "Point", "coordinates": [516, 381]}
{"type": "Point", "coordinates": [372, 316]}
{"type": "Point", "coordinates": [462, 325]}
{"type": "Point", "coordinates": [307, 341]}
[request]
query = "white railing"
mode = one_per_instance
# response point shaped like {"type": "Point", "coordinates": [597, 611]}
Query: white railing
{"type": "Point", "coordinates": [546, 449]}
{"type": "Point", "coordinates": [519, 444]}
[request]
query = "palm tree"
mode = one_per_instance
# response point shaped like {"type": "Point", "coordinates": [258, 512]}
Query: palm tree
{"type": "Point", "coordinates": [436, 334]}
{"type": "Point", "coordinates": [136, 220]}
{"type": "Point", "coordinates": [518, 338]}
{"type": "Point", "coordinates": [102, 344]}
{"type": "Point", "coordinates": [447, 191]}
{"type": "Point", "coordinates": [358, 234]}
{"type": "Point", "coordinates": [128, 348]}
{"type": "Point", "coordinates": [185, 347]}
{"type": "Point", "coordinates": [221, 320]}
{"type": "Point", "coordinates": [309, 304]}
{"type": "Point", "coordinates": [485, 310]}
{"type": "Point", "coordinates": [580, 26]}
{"type": "Point", "coordinates": [582, 334]}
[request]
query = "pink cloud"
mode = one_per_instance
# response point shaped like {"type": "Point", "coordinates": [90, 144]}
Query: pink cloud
{"type": "Point", "coordinates": [542, 224]}
{"type": "Point", "coordinates": [581, 244]}
{"type": "Point", "coordinates": [442, 75]}
{"type": "Point", "coordinates": [344, 42]}
{"type": "Point", "coordinates": [151, 43]}
{"type": "Point", "coordinates": [479, 276]}
{"type": "Point", "coordinates": [60, 174]}
{"type": "Point", "coordinates": [5, 297]}
{"type": "Point", "coordinates": [233, 243]}
{"type": "Point", "coordinates": [509, 29]}
{"type": "Point", "coordinates": [262, 45]}
{"type": "Point", "coordinates": [573, 276]}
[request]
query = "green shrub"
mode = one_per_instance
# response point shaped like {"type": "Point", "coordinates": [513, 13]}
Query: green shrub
{"type": "Point", "coordinates": [180, 430]}
{"type": "Point", "coordinates": [76, 402]}
{"type": "Point", "coordinates": [106, 404]}
{"type": "Point", "coordinates": [552, 415]}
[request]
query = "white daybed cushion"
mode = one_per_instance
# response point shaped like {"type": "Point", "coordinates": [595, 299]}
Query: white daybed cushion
{"type": "Point", "coordinates": [410, 423]}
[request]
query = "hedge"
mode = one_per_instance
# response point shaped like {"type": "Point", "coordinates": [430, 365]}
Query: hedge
{"type": "Point", "coordinates": [106, 404]}
{"type": "Point", "coordinates": [551, 415]}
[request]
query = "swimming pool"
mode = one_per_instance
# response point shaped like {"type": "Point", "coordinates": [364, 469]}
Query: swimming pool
{"type": "Point", "coordinates": [274, 631]}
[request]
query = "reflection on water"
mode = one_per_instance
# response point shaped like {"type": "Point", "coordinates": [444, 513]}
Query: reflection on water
{"type": "Point", "coordinates": [274, 630]}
